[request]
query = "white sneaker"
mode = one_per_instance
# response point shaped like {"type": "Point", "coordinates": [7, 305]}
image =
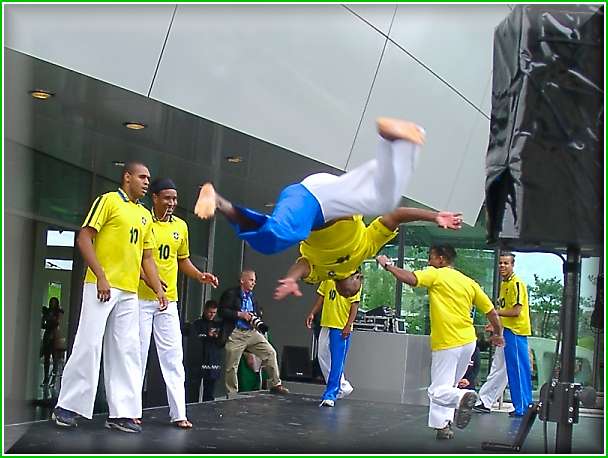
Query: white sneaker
{"type": "Point", "coordinates": [346, 392]}
{"type": "Point", "coordinates": [327, 403]}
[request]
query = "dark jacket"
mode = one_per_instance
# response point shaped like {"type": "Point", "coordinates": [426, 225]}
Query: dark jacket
{"type": "Point", "coordinates": [204, 354]}
{"type": "Point", "coordinates": [230, 305]}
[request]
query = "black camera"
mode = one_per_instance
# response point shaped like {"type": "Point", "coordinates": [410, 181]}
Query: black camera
{"type": "Point", "coordinates": [257, 324]}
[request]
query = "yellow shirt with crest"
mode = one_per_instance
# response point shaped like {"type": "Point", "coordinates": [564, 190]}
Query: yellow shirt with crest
{"type": "Point", "coordinates": [171, 245]}
{"type": "Point", "coordinates": [124, 231]}
{"type": "Point", "coordinates": [337, 251]}
{"type": "Point", "coordinates": [513, 292]}
{"type": "Point", "coordinates": [336, 308]}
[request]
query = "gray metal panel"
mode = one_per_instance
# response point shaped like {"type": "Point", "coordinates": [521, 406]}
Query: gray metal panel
{"type": "Point", "coordinates": [294, 75]}
{"type": "Point", "coordinates": [404, 89]}
{"type": "Point", "coordinates": [378, 15]}
{"type": "Point", "coordinates": [120, 44]}
{"type": "Point", "coordinates": [389, 367]}
{"type": "Point", "coordinates": [455, 42]}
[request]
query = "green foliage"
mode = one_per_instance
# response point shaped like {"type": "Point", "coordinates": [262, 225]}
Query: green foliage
{"type": "Point", "coordinates": [378, 286]}
{"type": "Point", "coordinates": [545, 299]}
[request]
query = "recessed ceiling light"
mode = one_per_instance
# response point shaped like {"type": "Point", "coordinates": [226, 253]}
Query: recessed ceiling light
{"type": "Point", "coordinates": [41, 94]}
{"type": "Point", "coordinates": [234, 159]}
{"type": "Point", "coordinates": [118, 163]}
{"type": "Point", "coordinates": [134, 125]}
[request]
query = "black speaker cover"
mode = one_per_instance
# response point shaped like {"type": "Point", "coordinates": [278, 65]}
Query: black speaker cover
{"type": "Point", "coordinates": [545, 161]}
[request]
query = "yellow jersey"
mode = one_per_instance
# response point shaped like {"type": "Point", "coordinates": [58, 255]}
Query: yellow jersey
{"type": "Point", "coordinates": [336, 308]}
{"type": "Point", "coordinates": [512, 292]}
{"type": "Point", "coordinates": [336, 252]}
{"type": "Point", "coordinates": [171, 245]}
{"type": "Point", "coordinates": [451, 296]}
{"type": "Point", "coordinates": [124, 231]}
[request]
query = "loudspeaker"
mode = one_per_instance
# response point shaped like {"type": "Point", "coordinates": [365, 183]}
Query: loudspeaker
{"type": "Point", "coordinates": [545, 160]}
{"type": "Point", "coordinates": [296, 364]}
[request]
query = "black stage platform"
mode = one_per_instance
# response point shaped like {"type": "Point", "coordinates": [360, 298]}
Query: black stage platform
{"type": "Point", "coordinates": [263, 423]}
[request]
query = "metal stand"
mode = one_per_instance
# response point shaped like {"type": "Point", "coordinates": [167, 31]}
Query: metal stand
{"type": "Point", "coordinates": [559, 399]}
{"type": "Point", "coordinates": [572, 282]}
{"type": "Point", "coordinates": [522, 433]}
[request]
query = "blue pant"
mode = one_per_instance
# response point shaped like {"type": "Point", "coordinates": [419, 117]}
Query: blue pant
{"type": "Point", "coordinates": [519, 374]}
{"type": "Point", "coordinates": [296, 213]}
{"type": "Point", "coordinates": [338, 348]}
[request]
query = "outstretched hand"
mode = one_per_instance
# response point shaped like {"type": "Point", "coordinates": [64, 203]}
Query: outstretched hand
{"type": "Point", "coordinates": [286, 287]}
{"type": "Point", "coordinates": [206, 277]}
{"type": "Point", "coordinates": [449, 220]}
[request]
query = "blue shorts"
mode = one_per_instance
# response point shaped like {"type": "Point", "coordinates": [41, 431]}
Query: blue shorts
{"type": "Point", "coordinates": [296, 213]}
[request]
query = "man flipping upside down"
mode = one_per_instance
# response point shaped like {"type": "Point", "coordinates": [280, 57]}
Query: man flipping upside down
{"type": "Point", "coordinates": [325, 213]}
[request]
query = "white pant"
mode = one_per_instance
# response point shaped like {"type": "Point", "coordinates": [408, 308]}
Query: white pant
{"type": "Point", "coordinates": [497, 379]}
{"type": "Point", "coordinates": [168, 340]}
{"type": "Point", "coordinates": [371, 189]}
{"type": "Point", "coordinates": [324, 358]}
{"type": "Point", "coordinates": [115, 326]}
{"type": "Point", "coordinates": [447, 368]}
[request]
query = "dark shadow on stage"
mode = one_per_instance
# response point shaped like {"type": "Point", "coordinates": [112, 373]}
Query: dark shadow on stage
{"type": "Point", "coordinates": [263, 423]}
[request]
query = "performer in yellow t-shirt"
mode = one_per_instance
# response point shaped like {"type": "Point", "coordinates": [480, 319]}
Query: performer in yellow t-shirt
{"type": "Point", "coordinates": [451, 295]}
{"type": "Point", "coordinates": [337, 317]}
{"type": "Point", "coordinates": [116, 242]}
{"type": "Point", "coordinates": [325, 212]}
{"type": "Point", "coordinates": [511, 364]}
{"type": "Point", "coordinates": [172, 253]}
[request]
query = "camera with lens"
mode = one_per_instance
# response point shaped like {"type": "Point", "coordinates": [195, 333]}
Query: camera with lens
{"type": "Point", "coordinates": [257, 324]}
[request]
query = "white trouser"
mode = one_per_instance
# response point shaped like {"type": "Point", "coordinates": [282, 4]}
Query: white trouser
{"type": "Point", "coordinates": [447, 368]}
{"type": "Point", "coordinates": [371, 189]}
{"type": "Point", "coordinates": [497, 380]}
{"type": "Point", "coordinates": [324, 357]}
{"type": "Point", "coordinates": [115, 326]}
{"type": "Point", "coordinates": [168, 341]}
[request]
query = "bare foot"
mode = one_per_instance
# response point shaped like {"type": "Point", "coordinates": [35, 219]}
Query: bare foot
{"type": "Point", "coordinates": [398, 129]}
{"type": "Point", "coordinates": [206, 203]}
{"type": "Point", "coordinates": [183, 424]}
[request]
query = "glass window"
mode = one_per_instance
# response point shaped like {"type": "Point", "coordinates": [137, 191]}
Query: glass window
{"type": "Point", "coordinates": [60, 238]}
{"type": "Point", "coordinates": [378, 285]}
{"type": "Point", "coordinates": [58, 264]}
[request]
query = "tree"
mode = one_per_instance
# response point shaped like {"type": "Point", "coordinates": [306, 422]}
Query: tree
{"type": "Point", "coordinates": [378, 287]}
{"type": "Point", "coordinates": [545, 299]}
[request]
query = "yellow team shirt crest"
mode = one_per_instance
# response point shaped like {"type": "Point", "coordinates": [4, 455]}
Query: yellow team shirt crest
{"type": "Point", "coordinates": [512, 292]}
{"type": "Point", "coordinates": [337, 251]}
{"type": "Point", "coordinates": [336, 308]}
{"type": "Point", "coordinates": [123, 232]}
{"type": "Point", "coordinates": [171, 245]}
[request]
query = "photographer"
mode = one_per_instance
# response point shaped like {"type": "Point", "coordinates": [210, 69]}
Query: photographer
{"type": "Point", "coordinates": [239, 310]}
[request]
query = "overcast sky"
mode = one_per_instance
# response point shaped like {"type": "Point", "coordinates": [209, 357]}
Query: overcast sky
{"type": "Point", "coordinates": [547, 265]}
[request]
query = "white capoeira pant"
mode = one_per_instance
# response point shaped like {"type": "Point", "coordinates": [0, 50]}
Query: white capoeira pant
{"type": "Point", "coordinates": [113, 325]}
{"type": "Point", "coordinates": [324, 358]}
{"type": "Point", "coordinates": [497, 379]}
{"type": "Point", "coordinates": [447, 369]}
{"type": "Point", "coordinates": [168, 340]}
{"type": "Point", "coordinates": [371, 189]}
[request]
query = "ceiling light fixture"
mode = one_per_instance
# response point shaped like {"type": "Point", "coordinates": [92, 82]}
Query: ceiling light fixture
{"type": "Point", "coordinates": [118, 163]}
{"type": "Point", "coordinates": [234, 159]}
{"type": "Point", "coordinates": [41, 94]}
{"type": "Point", "coordinates": [269, 204]}
{"type": "Point", "coordinates": [134, 125]}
